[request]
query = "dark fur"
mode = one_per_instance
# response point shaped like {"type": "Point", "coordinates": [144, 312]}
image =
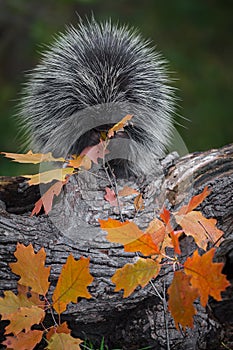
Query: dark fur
{"type": "Point", "coordinates": [92, 76]}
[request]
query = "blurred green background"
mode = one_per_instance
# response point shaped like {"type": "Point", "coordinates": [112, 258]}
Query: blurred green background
{"type": "Point", "coordinates": [195, 36]}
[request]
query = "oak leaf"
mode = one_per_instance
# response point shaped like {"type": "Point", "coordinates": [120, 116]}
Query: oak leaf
{"type": "Point", "coordinates": [128, 234]}
{"type": "Point", "coordinates": [72, 283]}
{"type": "Point", "coordinates": [119, 126]}
{"type": "Point", "coordinates": [63, 341]}
{"type": "Point", "coordinates": [63, 328]}
{"type": "Point", "coordinates": [194, 202]}
{"type": "Point", "coordinates": [80, 161]}
{"type": "Point", "coordinates": [202, 229]}
{"type": "Point", "coordinates": [110, 197]}
{"type": "Point", "coordinates": [24, 318]}
{"type": "Point", "coordinates": [23, 341]}
{"type": "Point", "coordinates": [206, 275]}
{"type": "Point", "coordinates": [132, 275]}
{"type": "Point", "coordinates": [34, 158]}
{"type": "Point", "coordinates": [31, 268]}
{"type": "Point", "coordinates": [46, 200]}
{"type": "Point", "coordinates": [59, 174]}
{"type": "Point", "coordinates": [181, 298]}
{"type": "Point", "coordinates": [127, 191]}
{"type": "Point", "coordinates": [94, 152]}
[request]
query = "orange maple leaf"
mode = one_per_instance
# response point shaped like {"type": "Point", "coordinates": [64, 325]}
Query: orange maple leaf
{"type": "Point", "coordinates": [206, 275]}
{"type": "Point", "coordinates": [31, 268]}
{"type": "Point", "coordinates": [72, 283]}
{"type": "Point", "coordinates": [202, 229]}
{"type": "Point", "coordinates": [194, 202]}
{"type": "Point", "coordinates": [34, 158]}
{"type": "Point", "coordinates": [181, 298]}
{"type": "Point", "coordinates": [46, 200]}
{"type": "Point", "coordinates": [132, 275]}
{"type": "Point", "coordinates": [23, 340]}
{"type": "Point", "coordinates": [128, 234]}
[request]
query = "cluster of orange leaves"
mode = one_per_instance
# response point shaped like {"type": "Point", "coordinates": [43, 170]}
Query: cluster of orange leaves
{"type": "Point", "coordinates": [28, 307]}
{"type": "Point", "coordinates": [198, 277]}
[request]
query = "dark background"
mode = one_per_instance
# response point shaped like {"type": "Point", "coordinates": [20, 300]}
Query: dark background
{"type": "Point", "coordinates": [195, 36]}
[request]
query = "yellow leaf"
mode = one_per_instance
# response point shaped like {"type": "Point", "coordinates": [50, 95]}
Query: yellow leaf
{"type": "Point", "coordinates": [132, 275]}
{"type": "Point", "coordinates": [24, 318]}
{"type": "Point", "coordinates": [31, 268]}
{"type": "Point", "coordinates": [63, 341]}
{"type": "Point", "coordinates": [72, 283]}
{"type": "Point", "coordinates": [47, 176]}
{"type": "Point", "coordinates": [34, 158]}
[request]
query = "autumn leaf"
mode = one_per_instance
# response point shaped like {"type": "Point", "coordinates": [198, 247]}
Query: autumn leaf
{"type": "Point", "coordinates": [194, 202]}
{"type": "Point", "coordinates": [181, 298]}
{"type": "Point", "coordinates": [46, 200]}
{"type": "Point", "coordinates": [127, 191]}
{"type": "Point", "coordinates": [95, 152]}
{"type": "Point", "coordinates": [80, 161]}
{"type": "Point", "coordinates": [202, 229]}
{"type": "Point", "coordinates": [63, 328]}
{"type": "Point", "coordinates": [31, 268]}
{"type": "Point", "coordinates": [132, 275]}
{"type": "Point", "coordinates": [206, 275]}
{"type": "Point", "coordinates": [63, 341]}
{"type": "Point", "coordinates": [128, 234]}
{"type": "Point", "coordinates": [120, 232]}
{"type": "Point", "coordinates": [138, 202]}
{"type": "Point", "coordinates": [34, 158]}
{"type": "Point", "coordinates": [72, 283]}
{"type": "Point", "coordinates": [110, 197]}
{"type": "Point", "coordinates": [23, 341]}
{"type": "Point", "coordinates": [119, 126]}
{"type": "Point", "coordinates": [24, 318]}
{"type": "Point", "coordinates": [48, 176]}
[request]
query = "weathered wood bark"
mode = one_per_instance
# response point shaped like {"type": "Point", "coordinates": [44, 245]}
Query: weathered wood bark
{"type": "Point", "coordinates": [72, 227]}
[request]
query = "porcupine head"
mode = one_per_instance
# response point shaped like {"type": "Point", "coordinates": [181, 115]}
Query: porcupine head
{"type": "Point", "coordinates": [88, 80]}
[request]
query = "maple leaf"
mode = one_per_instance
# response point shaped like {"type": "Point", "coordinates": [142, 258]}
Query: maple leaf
{"type": "Point", "coordinates": [46, 200]}
{"type": "Point", "coordinates": [127, 191]}
{"type": "Point", "coordinates": [63, 341]}
{"type": "Point", "coordinates": [24, 318]}
{"type": "Point", "coordinates": [119, 126]}
{"type": "Point", "coordinates": [110, 197]}
{"type": "Point", "coordinates": [23, 341]}
{"type": "Point", "coordinates": [132, 275]}
{"type": "Point", "coordinates": [30, 267]}
{"type": "Point", "coordinates": [48, 176]}
{"type": "Point", "coordinates": [34, 158]}
{"type": "Point", "coordinates": [194, 202]}
{"type": "Point", "coordinates": [72, 283]}
{"type": "Point", "coordinates": [80, 161]}
{"type": "Point", "coordinates": [128, 234]}
{"type": "Point", "coordinates": [63, 328]}
{"type": "Point", "coordinates": [181, 298]}
{"type": "Point", "coordinates": [202, 229]}
{"type": "Point", "coordinates": [206, 275]}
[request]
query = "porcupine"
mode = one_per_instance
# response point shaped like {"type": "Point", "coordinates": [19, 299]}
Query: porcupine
{"type": "Point", "coordinates": [87, 81]}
